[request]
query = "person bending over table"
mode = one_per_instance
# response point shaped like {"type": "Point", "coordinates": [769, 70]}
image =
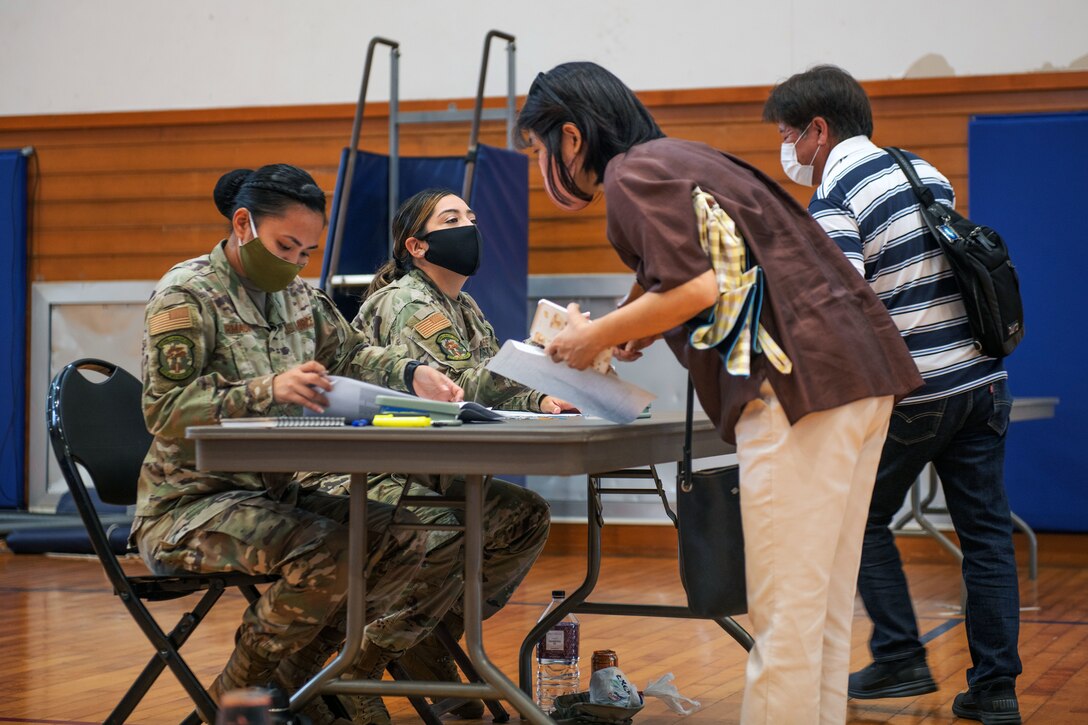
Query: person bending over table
{"type": "Point", "coordinates": [807, 394]}
{"type": "Point", "coordinates": [236, 333]}
{"type": "Point", "coordinates": [416, 300]}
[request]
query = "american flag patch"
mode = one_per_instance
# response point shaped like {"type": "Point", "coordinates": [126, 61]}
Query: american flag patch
{"type": "Point", "coordinates": [431, 324]}
{"type": "Point", "coordinates": [177, 318]}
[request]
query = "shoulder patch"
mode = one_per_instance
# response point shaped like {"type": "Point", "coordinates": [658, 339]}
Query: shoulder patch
{"type": "Point", "coordinates": [452, 347]}
{"type": "Point", "coordinates": [176, 318]}
{"type": "Point", "coordinates": [176, 359]}
{"type": "Point", "coordinates": [431, 324]}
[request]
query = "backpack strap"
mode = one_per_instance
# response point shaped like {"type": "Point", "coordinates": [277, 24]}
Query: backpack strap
{"type": "Point", "coordinates": [933, 212]}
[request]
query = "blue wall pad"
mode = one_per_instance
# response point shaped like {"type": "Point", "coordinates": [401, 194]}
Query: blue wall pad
{"type": "Point", "coordinates": [67, 540]}
{"type": "Point", "coordinates": [500, 198]}
{"type": "Point", "coordinates": [1027, 181]}
{"type": "Point", "coordinates": [366, 228]}
{"type": "Point", "coordinates": [12, 328]}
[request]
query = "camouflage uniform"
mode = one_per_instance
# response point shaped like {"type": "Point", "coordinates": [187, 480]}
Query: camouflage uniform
{"type": "Point", "coordinates": [453, 337]}
{"type": "Point", "coordinates": [211, 350]}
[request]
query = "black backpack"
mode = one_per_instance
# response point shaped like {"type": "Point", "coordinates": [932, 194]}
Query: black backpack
{"type": "Point", "coordinates": [980, 262]}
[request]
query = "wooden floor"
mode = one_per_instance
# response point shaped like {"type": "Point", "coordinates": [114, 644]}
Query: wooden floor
{"type": "Point", "coordinates": [68, 649]}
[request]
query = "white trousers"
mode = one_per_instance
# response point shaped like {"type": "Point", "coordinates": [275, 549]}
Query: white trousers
{"type": "Point", "coordinates": [805, 493]}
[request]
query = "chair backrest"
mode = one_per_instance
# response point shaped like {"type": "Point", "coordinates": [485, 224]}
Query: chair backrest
{"type": "Point", "coordinates": [99, 425]}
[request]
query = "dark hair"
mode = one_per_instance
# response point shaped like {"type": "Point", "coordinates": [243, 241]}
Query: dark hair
{"type": "Point", "coordinates": [827, 91]}
{"type": "Point", "coordinates": [609, 115]}
{"type": "Point", "coordinates": [409, 221]}
{"type": "Point", "coordinates": [268, 191]}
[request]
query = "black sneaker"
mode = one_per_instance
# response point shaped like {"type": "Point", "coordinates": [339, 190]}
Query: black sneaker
{"type": "Point", "coordinates": [992, 708]}
{"type": "Point", "coordinates": [891, 679]}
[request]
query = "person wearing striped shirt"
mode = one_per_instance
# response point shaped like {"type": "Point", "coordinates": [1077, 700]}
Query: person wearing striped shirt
{"type": "Point", "coordinates": [956, 421]}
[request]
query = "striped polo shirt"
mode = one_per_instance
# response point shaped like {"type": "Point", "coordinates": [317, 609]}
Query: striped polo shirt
{"type": "Point", "coordinates": [867, 206]}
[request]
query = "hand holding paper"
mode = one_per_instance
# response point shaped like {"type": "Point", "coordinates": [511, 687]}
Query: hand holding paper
{"type": "Point", "coordinates": [594, 393]}
{"type": "Point", "coordinates": [550, 320]}
{"type": "Point", "coordinates": [576, 344]}
{"type": "Point", "coordinates": [306, 385]}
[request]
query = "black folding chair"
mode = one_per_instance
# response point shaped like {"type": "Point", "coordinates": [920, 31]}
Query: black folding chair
{"type": "Point", "coordinates": [99, 425]}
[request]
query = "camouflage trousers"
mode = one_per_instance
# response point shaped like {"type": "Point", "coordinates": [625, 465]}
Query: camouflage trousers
{"type": "Point", "coordinates": [515, 519]}
{"type": "Point", "coordinates": [305, 543]}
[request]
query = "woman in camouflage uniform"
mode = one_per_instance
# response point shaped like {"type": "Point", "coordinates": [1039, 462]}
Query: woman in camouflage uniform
{"type": "Point", "coordinates": [236, 333]}
{"type": "Point", "coordinates": [416, 300]}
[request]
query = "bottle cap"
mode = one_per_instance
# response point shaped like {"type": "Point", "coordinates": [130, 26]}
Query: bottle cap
{"type": "Point", "coordinates": [559, 594]}
{"type": "Point", "coordinates": [246, 697]}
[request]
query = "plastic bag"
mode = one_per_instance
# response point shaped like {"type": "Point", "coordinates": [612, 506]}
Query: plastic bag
{"type": "Point", "coordinates": [609, 686]}
{"type": "Point", "coordinates": [663, 689]}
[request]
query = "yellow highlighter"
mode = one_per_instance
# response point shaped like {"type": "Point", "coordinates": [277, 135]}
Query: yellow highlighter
{"type": "Point", "coordinates": [388, 420]}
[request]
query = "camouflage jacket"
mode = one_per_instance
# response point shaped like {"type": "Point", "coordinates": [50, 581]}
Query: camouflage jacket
{"type": "Point", "coordinates": [209, 353]}
{"type": "Point", "coordinates": [450, 335]}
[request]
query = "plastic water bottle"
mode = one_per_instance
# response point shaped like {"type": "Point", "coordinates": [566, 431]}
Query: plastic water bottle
{"type": "Point", "coordinates": [557, 658]}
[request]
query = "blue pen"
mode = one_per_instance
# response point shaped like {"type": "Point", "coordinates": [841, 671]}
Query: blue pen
{"type": "Point", "coordinates": [360, 422]}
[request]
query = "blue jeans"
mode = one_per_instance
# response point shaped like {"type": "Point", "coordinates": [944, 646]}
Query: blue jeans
{"type": "Point", "coordinates": [964, 437]}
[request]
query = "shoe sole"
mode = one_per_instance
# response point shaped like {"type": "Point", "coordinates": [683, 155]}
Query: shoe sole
{"type": "Point", "coordinates": [471, 710]}
{"type": "Point", "coordinates": [906, 689]}
{"type": "Point", "coordinates": [996, 718]}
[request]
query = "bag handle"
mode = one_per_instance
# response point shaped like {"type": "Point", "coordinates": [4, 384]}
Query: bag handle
{"type": "Point", "coordinates": [923, 192]}
{"type": "Point", "coordinates": [932, 210]}
{"type": "Point", "coordinates": [685, 482]}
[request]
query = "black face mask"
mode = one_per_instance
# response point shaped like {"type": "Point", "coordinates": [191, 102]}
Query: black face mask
{"type": "Point", "coordinates": [455, 248]}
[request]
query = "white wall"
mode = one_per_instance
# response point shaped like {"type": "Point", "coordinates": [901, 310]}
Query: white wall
{"type": "Point", "coordinates": [70, 56]}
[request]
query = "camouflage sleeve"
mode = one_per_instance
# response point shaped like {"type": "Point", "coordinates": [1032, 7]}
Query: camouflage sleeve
{"type": "Point", "coordinates": [529, 400]}
{"type": "Point", "coordinates": [180, 388]}
{"type": "Point", "coordinates": [430, 338]}
{"type": "Point", "coordinates": [345, 351]}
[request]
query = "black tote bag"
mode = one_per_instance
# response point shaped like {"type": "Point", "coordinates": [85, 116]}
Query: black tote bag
{"type": "Point", "coordinates": [710, 534]}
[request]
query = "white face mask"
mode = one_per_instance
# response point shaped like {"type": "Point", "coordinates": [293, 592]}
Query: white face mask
{"type": "Point", "coordinates": [797, 172]}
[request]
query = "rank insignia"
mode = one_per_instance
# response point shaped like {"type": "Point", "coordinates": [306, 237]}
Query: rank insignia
{"type": "Point", "coordinates": [452, 347]}
{"type": "Point", "coordinates": [176, 360]}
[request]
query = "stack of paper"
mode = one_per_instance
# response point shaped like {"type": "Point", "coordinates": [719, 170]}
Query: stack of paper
{"type": "Point", "coordinates": [595, 393]}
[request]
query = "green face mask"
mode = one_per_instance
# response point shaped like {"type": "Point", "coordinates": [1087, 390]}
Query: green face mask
{"type": "Point", "coordinates": [263, 268]}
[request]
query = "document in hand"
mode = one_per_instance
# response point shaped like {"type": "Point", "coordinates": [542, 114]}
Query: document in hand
{"type": "Point", "coordinates": [354, 400]}
{"type": "Point", "coordinates": [595, 393]}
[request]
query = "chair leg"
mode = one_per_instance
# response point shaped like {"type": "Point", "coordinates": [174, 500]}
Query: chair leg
{"type": "Point", "coordinates": [250, 592]}
{"type": "Point", "coordinates": [167, 655]}
{"type": "Point", "coordinates": [137, 691]}
{"type": "Point", "coordinates": [422, 707]}
{"type": "Point", "coordinates": [498, 713]}
{"type": "Point", "coordinates": [431, 713]}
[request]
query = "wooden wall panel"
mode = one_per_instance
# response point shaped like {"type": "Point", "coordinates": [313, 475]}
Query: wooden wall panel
{"type": "Point", "coordinates": [126, 195]}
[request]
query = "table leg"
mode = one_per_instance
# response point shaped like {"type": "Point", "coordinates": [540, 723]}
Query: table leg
{"type": "Point", "coordinates": [593, 570]}
{"type": "Point", "coordinates": [355, 601]}
{"type": "Point", "coordinates": [474, 500]}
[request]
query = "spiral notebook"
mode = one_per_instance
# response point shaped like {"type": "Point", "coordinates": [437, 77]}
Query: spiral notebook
{"type": "Point", "coordinates": [316, 421]}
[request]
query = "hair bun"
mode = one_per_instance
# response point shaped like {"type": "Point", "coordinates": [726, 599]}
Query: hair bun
{"type": "Point", "coordinates": [226, 190]}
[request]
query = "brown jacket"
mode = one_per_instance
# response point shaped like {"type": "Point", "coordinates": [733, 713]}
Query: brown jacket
{"type": "Point", "coordinates": [840, 338]}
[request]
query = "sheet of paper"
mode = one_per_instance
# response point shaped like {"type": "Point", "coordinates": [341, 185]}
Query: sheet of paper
{"type": "Point", "coordinates": [605, 396]}
{"type": "Point", "coordinates": [354, 399]}
{"type": "Point", "coordinates": [529, 415]}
